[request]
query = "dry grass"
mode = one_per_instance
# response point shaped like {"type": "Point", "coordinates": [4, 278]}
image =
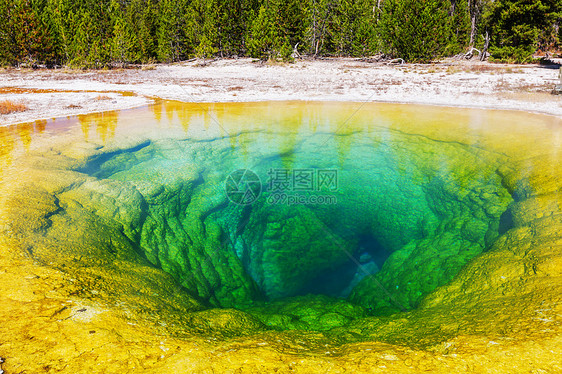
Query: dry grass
{"type": "Point", "coordinates": [8, 106]}
{"type": "Point", "coordinates": [356, 66]}
{"type": "Point", "coordinates": [13, 90]}
{"type": "Point", "coordinates": [235, 88]}
{"type": "Point", "coordinates": [275, 62]}
{"type": "Point", "coordinates": [544, 97]}
{"type": "Point", "coordinates": [385, 82]}
{"type": "Point", "coordinates": [102, 97]}
{"type": "Point", "coordinates": [482, 68]}
{"type": "Point", "coordinates": [517, 87]}
{"type": "Point", "coordinates": [20, 90]}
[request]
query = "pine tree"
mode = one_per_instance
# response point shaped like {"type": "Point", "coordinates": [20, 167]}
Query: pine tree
{"type": "Point", "coordinates": [278, 27]}
{"type": "Point", "coordinates": [53, 53]}
{"type": "Point", "coordinates": [476, 9]}
{"type": "Point", "coordinates": [89, 32]}
{"type": "Point", "coordinates": [8, 53]}
{"type": "Point", "coordinates": [265, 41]}
{"type": "Point", "coordinates": [140, 18]}
{"type": "Point", "coordinates": [25, 26]}
{"type": "Point", "coordinates": [170, 33]}
{"type": "Point", "coordinates": [90, 45]}
{"type": "Point", "coordinates": [291, 20]}
{"type": "Point", "coordinates": [24, 34]}
{"type": "Point", "coordinates": [460, 26]}
{"type": "Point", "coordinates": [233, 23]}
{"type": "Point", "coordinates": [78, 48]}
{"type": "Point", "coordinates": [417, 31]}
{"type": "Point", "coordinates": [123, 44]}
{"type": "Point", "coordinates": [201, 30]}
{"type": "Point", "coordinates": [320, 14]}
{"type": "Point", "coordinates": [63, 15]}
{"type": "Point", "coordinates": [519, 27]}
{"type": "Point", "coordinates": [352, 28]}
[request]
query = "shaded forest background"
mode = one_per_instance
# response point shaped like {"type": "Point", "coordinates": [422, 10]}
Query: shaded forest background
{"type": "Point", "coordinates": [99, 33]}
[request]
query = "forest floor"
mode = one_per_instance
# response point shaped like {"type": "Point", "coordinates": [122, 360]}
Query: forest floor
{"type": "Point", "coordinates": [56, 93]}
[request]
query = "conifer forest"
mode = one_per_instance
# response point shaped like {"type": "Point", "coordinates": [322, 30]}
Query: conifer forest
{"type": "Point", "coordinates": [104, 33]}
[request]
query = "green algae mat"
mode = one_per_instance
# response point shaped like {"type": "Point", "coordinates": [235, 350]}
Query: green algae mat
{"type": "Point", "coordinates": [286, 237]}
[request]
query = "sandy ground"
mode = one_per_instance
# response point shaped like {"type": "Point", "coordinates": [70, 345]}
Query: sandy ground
{"type": "Point", "coordinates": [57, 93]}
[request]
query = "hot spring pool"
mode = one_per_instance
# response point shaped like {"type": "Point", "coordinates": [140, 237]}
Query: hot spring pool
{"type": "Point", "coordinates": [262, 236]}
